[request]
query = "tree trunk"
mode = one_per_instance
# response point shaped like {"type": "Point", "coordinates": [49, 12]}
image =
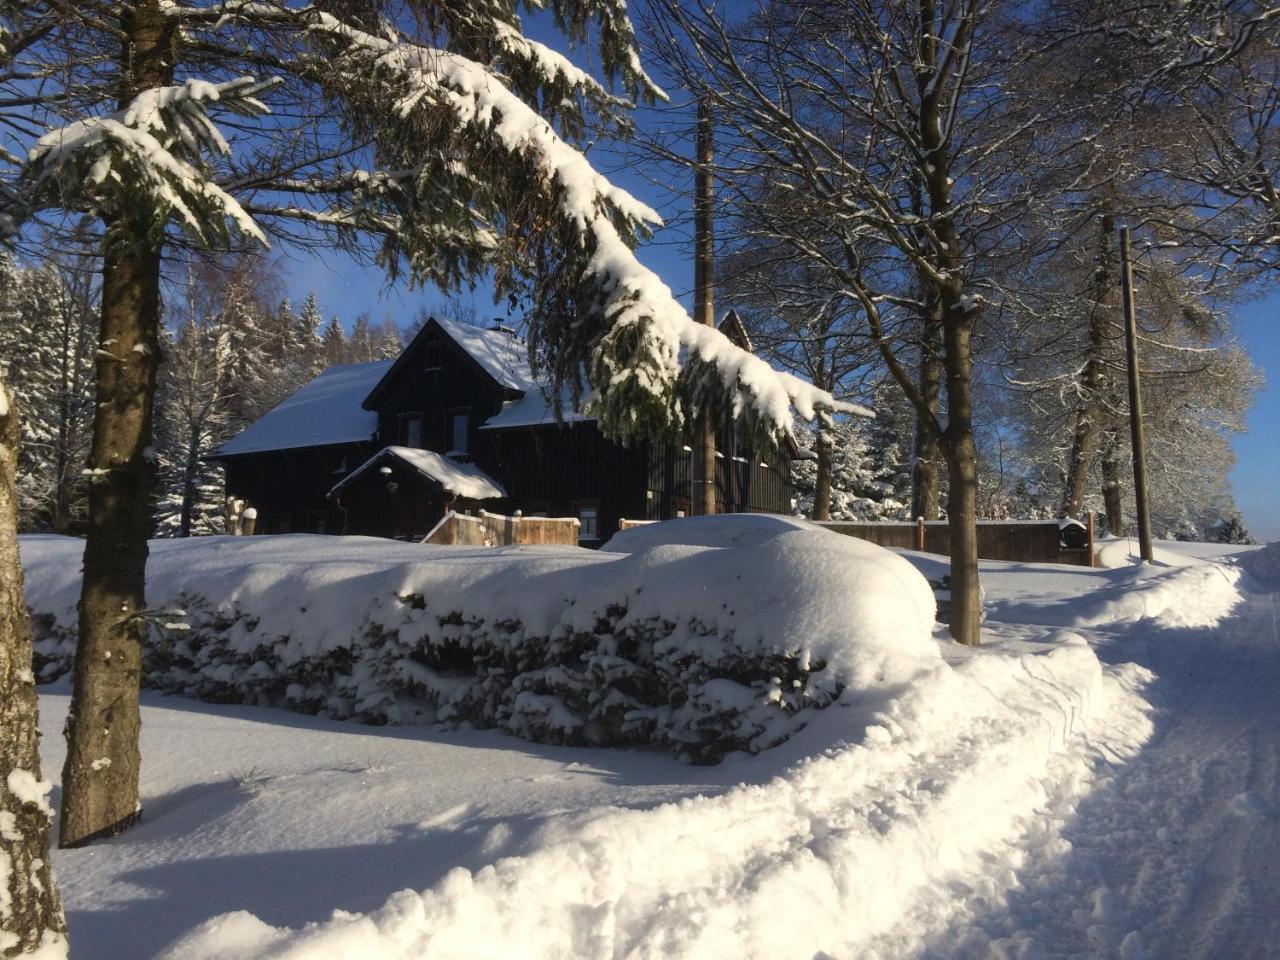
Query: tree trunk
{"type": "Point", "coordinates": [962, 479]}
{"type": "Point", "coordinates": [100, 777]}
{"type": "Point", "coordinates": [1113, 486]}
{"type": "Point", "coordinates": [822, 485]}
{"type": "Point", "coordinates": [704, 502]}
{"type": "Point", "coordinates": [189, 469]}
{"type": "Point", "coordinates": [925, 474]}
{"type": "Point", "coordinates": [958, 314]}
{"type": "Point", "coordinates": [1089, 410]}
{"type": "Point", "coordinates": [101, 799]}
{"type": "Point", "coordinates": [32, 915]}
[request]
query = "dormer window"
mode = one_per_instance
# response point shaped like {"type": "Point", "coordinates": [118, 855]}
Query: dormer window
{"type": "Point", "coordinates": [432, 358]}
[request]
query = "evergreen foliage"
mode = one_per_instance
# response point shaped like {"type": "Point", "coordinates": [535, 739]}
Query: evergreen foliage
{"type": "Point", "coordinates": [47, 331]}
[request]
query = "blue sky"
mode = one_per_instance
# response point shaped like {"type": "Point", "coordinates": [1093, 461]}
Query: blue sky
{"type": "Point", "coordinates": [1256, 478]}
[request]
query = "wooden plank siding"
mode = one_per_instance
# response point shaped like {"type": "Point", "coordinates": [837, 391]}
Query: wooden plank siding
{"type": "Point", "coordinates": [288, 488]}
{"type": "Point", "coordinates": [743, 485]}
{"type": "Point", "coordinates": [1013, 540]}
{"type": "Point", "coordinates": [557, 470]}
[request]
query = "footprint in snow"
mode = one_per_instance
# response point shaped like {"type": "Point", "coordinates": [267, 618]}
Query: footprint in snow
{"type": "Point", "coordinates": [450, 819]}
{"type": "Point", "coordinates": [1249, 804]}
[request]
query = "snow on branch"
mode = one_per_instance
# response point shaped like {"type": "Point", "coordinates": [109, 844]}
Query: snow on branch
{"type": "Point", "coordinates": [148, 151]}
{"type": "Point", "coordinates": [642, 333]}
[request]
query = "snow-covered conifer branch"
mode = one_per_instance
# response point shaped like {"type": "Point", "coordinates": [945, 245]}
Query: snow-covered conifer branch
{"type": "Point", "coordinates": [626, 327]}
{"type": "Point", "coordinates": [147, 155]}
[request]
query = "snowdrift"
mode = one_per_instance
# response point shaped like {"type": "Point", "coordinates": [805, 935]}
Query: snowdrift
{"type": "Point", "coordinates": [863, 850]}
{"type": "Point", "coordinates": [680, 641]}
{"type": "Point", "coordinates": [1264, 565]}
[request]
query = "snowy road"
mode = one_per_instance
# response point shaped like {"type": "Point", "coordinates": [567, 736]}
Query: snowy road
{"type": "Point", "coordinates": [1175, 854]}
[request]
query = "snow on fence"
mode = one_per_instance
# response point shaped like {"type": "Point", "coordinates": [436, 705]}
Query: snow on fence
{"type": "Point", "coordinates": [625, 524]}
{"type": "Point", "coordinates": [1019, 541]}
{"type": "Point", "coordinates": [497, 530]}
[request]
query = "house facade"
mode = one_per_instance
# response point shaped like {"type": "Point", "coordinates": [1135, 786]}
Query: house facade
{"type": "Point", "coordinates": [458, 421]}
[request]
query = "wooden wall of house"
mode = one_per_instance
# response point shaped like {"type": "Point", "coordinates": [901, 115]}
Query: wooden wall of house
{"type": "Point", "coordinates": [556, 470]}
{"type": "Point", "coordinates": [435, 395]}
{"type": "Point", "coordinates": [743, 484]}
{"type": "Point", "coordinates": [371, 508]}
{"type": "Point", "coordinates": [289, 488]}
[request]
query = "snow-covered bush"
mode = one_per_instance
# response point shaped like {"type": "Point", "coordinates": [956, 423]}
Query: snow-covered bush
{"type": "Point", "coordinates": [703, 636]}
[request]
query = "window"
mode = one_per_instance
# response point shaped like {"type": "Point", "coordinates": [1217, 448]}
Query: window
{"type": "Point", "coordinates": [411, 430]}
{"type": "Point", "coordinates": [459, 431]}
{"type": "Point", "coordinates": [431, 356]}
{"type": "Point", "coordinates": [589, 525]}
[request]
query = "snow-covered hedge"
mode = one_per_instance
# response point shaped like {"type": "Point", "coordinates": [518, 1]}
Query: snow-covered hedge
{"type": "Point", "coordinates": [703, 636]}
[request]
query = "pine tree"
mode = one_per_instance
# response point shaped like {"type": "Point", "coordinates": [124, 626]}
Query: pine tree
{"type": "Point", "coordinates": [360, 347]}
{"type": "Point", "coordinates": [46, 341]}
{"type": "Point", "coordinates": [869, 480]}
{"type": "Point", "coordinates": [1233, 530]}
{"type": "Point", "coordinates": [306, 361]}
{"type": "Point", "coordinates": [389, 344]}
{"type": "Point", "coordinates": [195, 417]}
{"type": "Point", "coordinates": [333, 344]}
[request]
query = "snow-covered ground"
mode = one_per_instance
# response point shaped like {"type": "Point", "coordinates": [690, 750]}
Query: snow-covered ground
{"type": "Point", "coordinates": [1099, 780]}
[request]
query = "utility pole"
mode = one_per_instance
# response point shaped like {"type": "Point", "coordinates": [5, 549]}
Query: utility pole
{"type": "Point", "coordinates": [1135, 400]}
{"type": "Point", "coordinates": [704, 453]}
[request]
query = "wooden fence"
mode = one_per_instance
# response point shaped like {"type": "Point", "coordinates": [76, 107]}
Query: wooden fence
{"type": "Point", "coordinates": [496, 530]}
{"type": "Point", "coordinates": [1023, 541]}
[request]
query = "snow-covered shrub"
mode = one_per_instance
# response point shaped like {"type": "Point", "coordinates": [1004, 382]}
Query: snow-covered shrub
{"type": "Point", "coordinates": [705, 647]}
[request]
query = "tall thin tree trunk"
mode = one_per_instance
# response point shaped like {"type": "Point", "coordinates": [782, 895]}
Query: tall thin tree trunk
{"type": "Point", "coordinates": [100, 778]}
{"type": "Point", "coordinates": [703, 305]}
{"type": "Point", "coordinates": [189, 468]}
{"type": "Point", "coordinates": [1113, 484]}
{"type": "Point", "coordinates": [962, 480]}
{"type": "Point", "coordinates": [822, 484]}
{"type": "Point", "coordinates": [959, 313]}
{"type": "Point", "coordinates": [1086, 426]}
{"type": "Point", "coordinates": [926, 496]}
{"type": "Point", "coordinates": [32, 918]}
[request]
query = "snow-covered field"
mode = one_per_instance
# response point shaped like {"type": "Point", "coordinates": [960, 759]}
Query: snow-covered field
{"type": "Point", "coordinates": [1100, 779]}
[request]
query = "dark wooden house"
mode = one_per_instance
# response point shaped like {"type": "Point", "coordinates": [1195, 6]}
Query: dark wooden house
{"type": "Point", "coordinates": [457, 421]}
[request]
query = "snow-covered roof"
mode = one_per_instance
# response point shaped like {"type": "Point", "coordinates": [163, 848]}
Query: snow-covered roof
{"type": "Point", "coordinates": [501, 353]}
{"type": "Point", "coordinates": [454, 476]}
{"type": "Point", "coordinates": [534, 409]}
{"type": "Point", "coordinates": [325, 411]}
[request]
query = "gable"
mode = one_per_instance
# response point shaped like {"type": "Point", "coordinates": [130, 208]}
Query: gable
{"type": "Point", "coordinates": [454, 357]}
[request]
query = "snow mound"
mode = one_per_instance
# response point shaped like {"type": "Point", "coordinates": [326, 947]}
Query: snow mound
{"type": "Point", "coordinates": [1264, 565]}
{"type": "Point", "coordinates": [1116, 552]}
{"type": "Point", "coordinates": [724, 531]}
{"type": "Point", "coordinates": [701, 649]}
{"type": "Point", "coordinates": [1199, 594]}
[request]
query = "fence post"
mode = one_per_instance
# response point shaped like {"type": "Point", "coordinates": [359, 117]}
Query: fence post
{"type": "Point", "coordinates": [920, 534]}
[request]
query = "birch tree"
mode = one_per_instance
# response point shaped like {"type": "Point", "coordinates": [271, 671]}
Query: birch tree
{"type": "Point", "coordinates": [432, 137]}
